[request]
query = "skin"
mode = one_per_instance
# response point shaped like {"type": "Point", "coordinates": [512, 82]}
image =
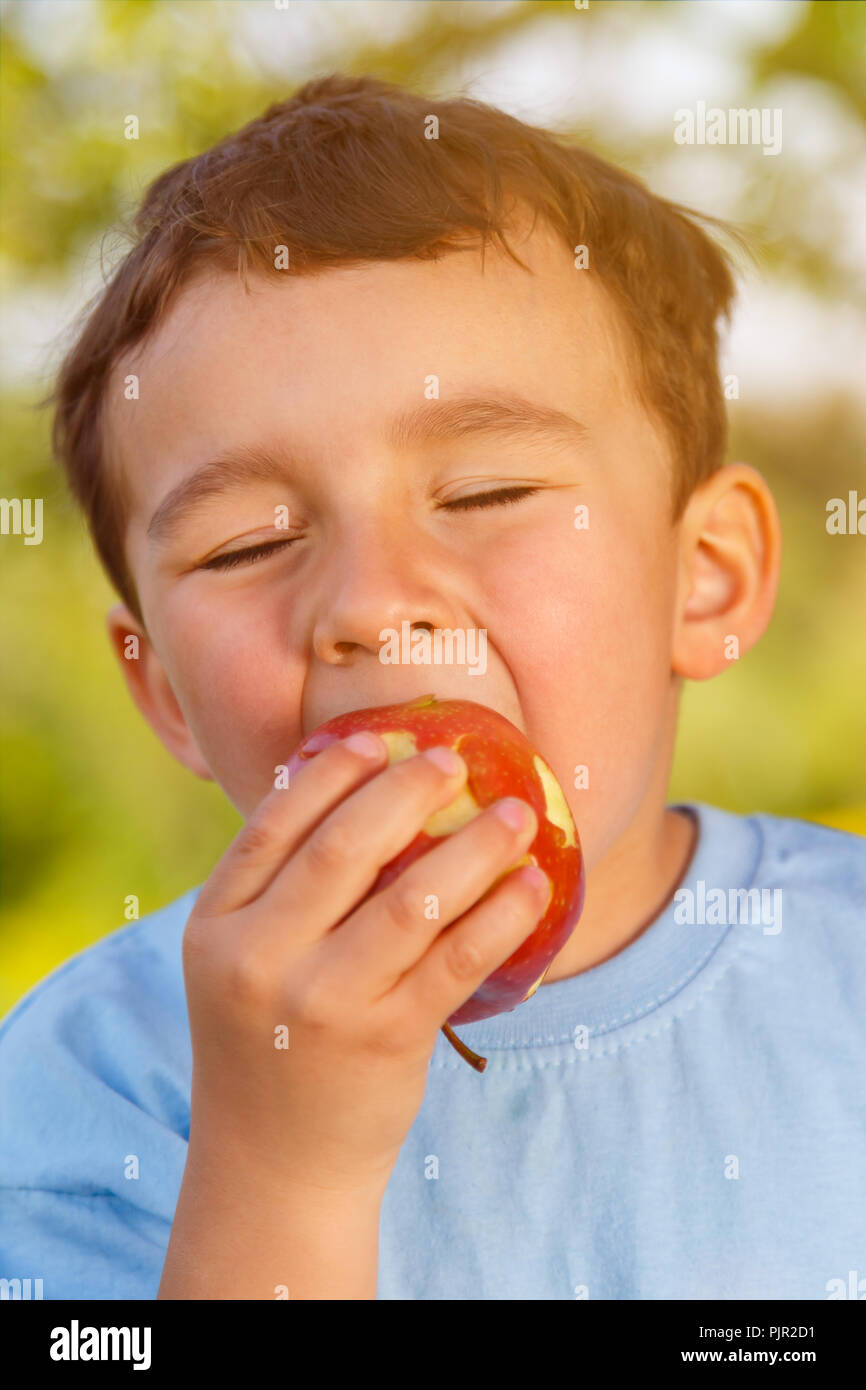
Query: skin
{"type": "Point", "coordinates": [589, 632]}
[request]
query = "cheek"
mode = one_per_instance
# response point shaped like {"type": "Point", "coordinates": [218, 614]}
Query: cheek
{"type": "Point", "coordinates": [239, 690]}
{"type": "Point", "coordinates": [591, 604]}
{"type": "Point", "coordinates": [584, 621]}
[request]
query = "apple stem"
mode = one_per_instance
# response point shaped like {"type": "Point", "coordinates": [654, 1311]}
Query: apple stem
{"type": "Point", "coordinates": [479, 1063]}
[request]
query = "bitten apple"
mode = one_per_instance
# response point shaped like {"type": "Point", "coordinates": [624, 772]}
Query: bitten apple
{"type": "Point", "coordinates": [500, 761]}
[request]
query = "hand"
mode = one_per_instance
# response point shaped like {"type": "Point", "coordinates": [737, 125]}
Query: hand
{"type": "Point", "coordinates": [277, 941]}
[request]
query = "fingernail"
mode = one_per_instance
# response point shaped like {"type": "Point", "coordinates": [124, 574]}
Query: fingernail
{"type": "Point", "coordinates": [367, 745]}
{"type": "Point", "coordinates": [515, 814]}
{"type": "Point", "coordinates": [538, 879]}
{"type": "Point", "coordinates": [445, 759]}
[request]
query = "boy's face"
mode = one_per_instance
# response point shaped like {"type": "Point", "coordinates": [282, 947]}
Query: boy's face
{"type": "Point", "coordinates": [318, 370]}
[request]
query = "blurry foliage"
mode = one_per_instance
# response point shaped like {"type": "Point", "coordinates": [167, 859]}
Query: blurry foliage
{"type": "Point", "coordinates": [829, 43]}
{"type": "Point", "coordinates": [92, 808]}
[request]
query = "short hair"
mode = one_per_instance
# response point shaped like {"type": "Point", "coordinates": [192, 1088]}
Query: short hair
{"type": "Point", "coordinates": [344, 172]}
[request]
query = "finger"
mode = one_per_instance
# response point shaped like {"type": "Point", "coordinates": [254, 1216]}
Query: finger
{"type": "Point", "coordinates": [284, 818]}
{"type": "Point", "coordinates": [338, 863]}
{"type": "Point", "coordinates": [393, 930]}
{"type": "Point", "coordinates": [467, 952]}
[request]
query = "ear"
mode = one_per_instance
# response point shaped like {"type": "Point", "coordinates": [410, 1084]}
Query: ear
{"type": "Point", "coordinates": [729, 561]}
{"type": "Point", "coordinates": [150, 688]}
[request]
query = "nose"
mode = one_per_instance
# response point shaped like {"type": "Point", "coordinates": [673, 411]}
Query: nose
{"type": "Point", "coordinates": [374, 585]}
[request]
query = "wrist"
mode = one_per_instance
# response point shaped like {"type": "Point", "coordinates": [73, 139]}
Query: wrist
{"type": "Point", "coordinates": [227, 1160]}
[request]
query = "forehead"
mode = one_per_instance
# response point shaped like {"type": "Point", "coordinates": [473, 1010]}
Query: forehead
{"type": "Point", "coordinates": [329, 356]}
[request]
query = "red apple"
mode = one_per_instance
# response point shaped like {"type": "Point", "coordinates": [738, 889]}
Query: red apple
{"type": "Point", "coordinates": [500, 762]}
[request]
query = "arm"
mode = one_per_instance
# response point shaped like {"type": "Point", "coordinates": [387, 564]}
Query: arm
{"type": "Point", "coordinates": [291, 1148]}
{"type": "Point", "coordinates": [241, 1231]}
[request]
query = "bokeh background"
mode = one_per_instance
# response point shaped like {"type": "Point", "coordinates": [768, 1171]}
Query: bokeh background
{"type": "Point", "coordinates": [93, 810]}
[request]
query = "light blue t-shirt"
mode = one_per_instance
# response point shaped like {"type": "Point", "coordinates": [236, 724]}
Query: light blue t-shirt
{"type": "Point", "coordinates": [686, 1120]}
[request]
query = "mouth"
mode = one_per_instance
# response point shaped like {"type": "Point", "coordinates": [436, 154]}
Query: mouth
{"type": "Point", "coordinates": [408, 698]}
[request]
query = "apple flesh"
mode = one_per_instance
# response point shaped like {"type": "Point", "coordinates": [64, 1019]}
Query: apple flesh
{"type": "Point", "coordinates": [500, 761]}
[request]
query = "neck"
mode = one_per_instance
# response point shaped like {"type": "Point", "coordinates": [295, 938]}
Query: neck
{"type": "Point", "coordinates": [626, 891]}
{"type": "Point", "coordinates": [630, 883]}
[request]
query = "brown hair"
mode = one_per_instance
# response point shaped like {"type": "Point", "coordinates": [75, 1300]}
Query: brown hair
{"type": "Point", "coordinates": [341, 172]}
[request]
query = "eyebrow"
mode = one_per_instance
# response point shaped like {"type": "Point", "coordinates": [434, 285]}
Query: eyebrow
{"type": "Point", "coordinates": [456, 418]}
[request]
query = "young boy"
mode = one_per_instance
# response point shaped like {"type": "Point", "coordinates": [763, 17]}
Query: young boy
{"type": "Point", "coordinates": [470, 380]}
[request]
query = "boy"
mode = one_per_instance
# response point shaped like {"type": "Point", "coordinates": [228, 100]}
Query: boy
{"type": "Point", "coordinates": [381, 425]}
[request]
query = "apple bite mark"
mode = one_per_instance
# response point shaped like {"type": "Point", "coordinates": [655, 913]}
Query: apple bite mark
{"type": "Point", "coordinates": [456, 814]}
{"type": "Point", "coordinates": [558, 812]}
{"type": "Point", "coordinates": [401, 744]}
{"type": "Point", "coordinates": [532, 988]}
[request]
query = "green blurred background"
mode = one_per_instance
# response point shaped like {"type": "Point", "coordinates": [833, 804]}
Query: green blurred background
{"type": "Point", "coordinates": [93, 809]}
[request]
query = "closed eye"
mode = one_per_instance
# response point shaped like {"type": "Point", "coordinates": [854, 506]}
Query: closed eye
{"type": "Point", "coordinates": [251, 554]}
{"type": "Point", "coordinates": [500, 496]}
